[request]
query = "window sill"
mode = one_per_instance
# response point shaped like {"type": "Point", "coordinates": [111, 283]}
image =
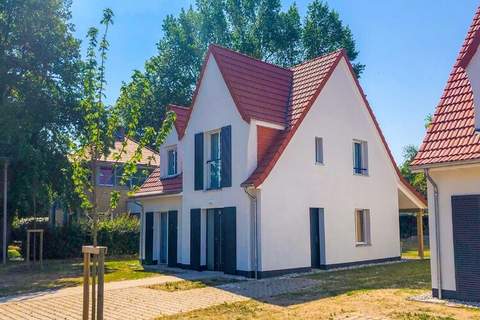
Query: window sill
{"type": "Point", "coordinates": [361, 174]}
{"type": "Point", "coordinates": [213, 189]}
{"type": "Point", "coordinates": [320, 164]}
{"type": "Point", "coordinates": [362, 244]}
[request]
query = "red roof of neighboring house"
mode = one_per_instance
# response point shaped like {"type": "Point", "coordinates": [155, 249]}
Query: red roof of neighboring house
{"type": "Point", "coordinates": [156, 185]}
{"type": "Point", "coordinates": [451, 135]}
{"type": "Point", "coordinates": [183, 114]}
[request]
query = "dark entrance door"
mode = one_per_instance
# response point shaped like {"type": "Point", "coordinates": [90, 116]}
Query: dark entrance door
{"type": "Point", "coordinates": [314, 238]}
{"type": "Point", "coordinates": [172, 238]}
{"type": "Point", "coordinates": [221, 240]}
{"type": "Point", "coordinates": [466, 241]}
{"type": "Point", "coordinates": [149, 238]}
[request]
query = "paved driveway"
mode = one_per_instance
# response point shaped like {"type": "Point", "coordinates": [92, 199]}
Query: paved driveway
{"type": "Point", "coordinates": [132, 300]}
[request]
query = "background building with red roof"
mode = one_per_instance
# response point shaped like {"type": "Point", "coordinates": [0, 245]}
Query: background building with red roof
{"type": "Point", "coordinates": [450, 156]}
{"type": "Point", "coordinates": [274, 170]}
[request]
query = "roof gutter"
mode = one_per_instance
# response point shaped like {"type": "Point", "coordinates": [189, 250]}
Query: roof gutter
{"type": "Point", "coordinates": [437, 232]}
{"type": "Point", "coordinates": [420, 168]}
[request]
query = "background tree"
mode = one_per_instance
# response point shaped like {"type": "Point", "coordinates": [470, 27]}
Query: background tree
{"type": "Point", "coordinates": [259, 28]}
{"type": "Point", "coordinates": [39, 88]}
{"type": "Point", "coordinates": [99, 124]}
{"type": "Point", "coordinates": [417, 180]}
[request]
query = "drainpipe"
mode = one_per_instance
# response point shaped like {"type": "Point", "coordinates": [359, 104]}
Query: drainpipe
{"type": "Point", "coordinates": [255, 237]}
{"type": "Point", "coordinates": [437, 232]}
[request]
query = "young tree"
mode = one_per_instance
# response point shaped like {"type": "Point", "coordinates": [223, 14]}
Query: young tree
{"type": "Point", "coordinates": [99, 123]}
{"type": "Point", "coordinates": [259, 28]}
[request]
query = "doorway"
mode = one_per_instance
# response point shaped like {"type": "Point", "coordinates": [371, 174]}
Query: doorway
{"type": "Point", "coordinates": [317, 237]}
{"type": "Point", "coordinates": [221, 240]}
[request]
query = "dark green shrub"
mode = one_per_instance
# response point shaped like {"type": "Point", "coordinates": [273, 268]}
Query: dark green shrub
{"type": "Point", "coordinates": [121, 235]}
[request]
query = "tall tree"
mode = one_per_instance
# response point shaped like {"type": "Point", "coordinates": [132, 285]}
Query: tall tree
{"type": "Point", "coordinates": [417, 180]}
{"type": "Point", "coordinates": [39, 88]}
{"type": "Point", "coordinates": [259, 28]}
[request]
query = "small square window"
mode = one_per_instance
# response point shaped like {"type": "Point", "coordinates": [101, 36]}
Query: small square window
{"type": "Point", "coordinates": [318, 150]}
{"type": "Point", "coordinates": [362, 226]}
{"type": "Point", "coordinates": [360, 158]}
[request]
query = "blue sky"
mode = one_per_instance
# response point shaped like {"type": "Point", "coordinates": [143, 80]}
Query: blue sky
{"type": "Point", "coordinates": [408, 47]}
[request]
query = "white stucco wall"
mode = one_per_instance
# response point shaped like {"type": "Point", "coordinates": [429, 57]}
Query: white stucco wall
{"type": "Point", "coordinates": [296, 183]}
{"type": "Point", "coordinates": [214, 108]}
{"type": "Point", "coordinates": [450, 181]}
{"type": "Point", "coordinates": [473, 71]}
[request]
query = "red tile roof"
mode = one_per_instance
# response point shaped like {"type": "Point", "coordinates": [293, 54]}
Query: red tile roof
{"type": "Point", "coordinates": [451, 136]}
{"type": "Point", "coordinates": [260, 90]}
{"type": "Point", "coordinates": [183, 114]}
{"type": "Point", "coordinates": [156, 185]}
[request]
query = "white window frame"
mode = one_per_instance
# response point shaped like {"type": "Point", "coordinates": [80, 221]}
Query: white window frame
{"type": "Point", "coordinates": [168, 149]}
{"type": "Point", "coordinates": [208, 152]}
{"type": "Point", "coordinates": [319, 140]}
{"type": "Point", "coordinates": [364, 150]}
{"type": "Point", "coordinates": [366, 227]}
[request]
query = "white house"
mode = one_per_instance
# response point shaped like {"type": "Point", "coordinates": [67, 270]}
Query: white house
{"type": "Point", "coordinates": [450, 157]}
{"type": "Point", "coordinates": [274, 170]}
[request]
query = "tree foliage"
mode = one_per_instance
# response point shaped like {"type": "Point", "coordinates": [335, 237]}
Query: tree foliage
{"type": "Point", "coordinates": [417, 180]}
{"type": "Point", "coordinates": [39, 88]}
{"type": "Point", "coordinates": [99, 123]}
{"type": "Point", "coordinates": [259, 28]}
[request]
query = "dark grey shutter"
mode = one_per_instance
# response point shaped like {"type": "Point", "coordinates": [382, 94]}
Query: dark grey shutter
{"type": "Point", "coordinates": [229, 237]}
{"type": "Point", "coordinates": [198, 167]}
{"type": "Point", "coordinates": [172, 238]}
{"type": "Point", "coordinates": [195, 234]}
{"type": "Point", "coordinates": [226, 156]}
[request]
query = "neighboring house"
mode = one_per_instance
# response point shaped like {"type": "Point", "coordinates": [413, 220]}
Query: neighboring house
{"type": "Point", "coordinates": [274, 170]}
{"type": "Point", "coordinates": [109, 176]}
{"type": "Point", "coordinates": [450, 156]}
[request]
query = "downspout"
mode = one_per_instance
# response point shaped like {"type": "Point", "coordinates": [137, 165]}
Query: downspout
{"type": "Point", "coordinates": [255, 237]}
{"type": "Point", "coordinates": [437, 231]}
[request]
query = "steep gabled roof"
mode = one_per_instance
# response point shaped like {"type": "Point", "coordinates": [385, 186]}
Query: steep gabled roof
{"type": "Point", "coordinates": [183, 114]}
{"type": "Point", "coordinates": [260, 90]}
{"type": "Point", "coordinates": [156, 185]}
{"type": "Point", "coordinates": [451, 136]}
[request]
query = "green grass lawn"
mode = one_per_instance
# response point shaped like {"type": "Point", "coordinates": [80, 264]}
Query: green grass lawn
{"type": "Point", "coordinates": [379, 292]}
{"type": "Point", "coordinates": [20, 278]}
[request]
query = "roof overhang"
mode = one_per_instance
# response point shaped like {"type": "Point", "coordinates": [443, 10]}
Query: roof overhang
{"type": "Point", "coordinates": [157, 194]}
{"type": "Point", "coordinates": [421, 167]}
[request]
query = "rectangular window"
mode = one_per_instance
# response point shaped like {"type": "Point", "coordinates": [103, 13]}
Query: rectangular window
{"type": "Point", "coordinates": [362, 226]}
{"type": "Point", "coordinates": [360, 158]}
{"type": "Point", "coordinates": [105, 176]}
{"type": "Point", "coordinates": [172, 162]}
{"type": "Point", "coordinates": [214, 163]}
{"type": "Point", "coordinates": [139, 177]}
{"type": "Point", "coordinates": [318, 150]}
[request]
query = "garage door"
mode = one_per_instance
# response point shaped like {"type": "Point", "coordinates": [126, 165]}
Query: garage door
{"type": "Point", "coordinates": [466, 238]}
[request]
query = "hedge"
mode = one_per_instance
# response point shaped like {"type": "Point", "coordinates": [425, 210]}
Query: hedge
{"type": "Point", "coordinates": [121, 235]}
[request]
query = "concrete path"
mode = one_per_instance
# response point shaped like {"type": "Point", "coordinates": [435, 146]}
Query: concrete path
{"type": "Point", "coordinates": [132, 300]}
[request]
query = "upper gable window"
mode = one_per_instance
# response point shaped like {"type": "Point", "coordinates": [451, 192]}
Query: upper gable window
{"type": "Point", "coordinates": [360, 157]}
{"type": "Point", "coordinates": [172, 161]}
{"type": "Point", "coordinates": [318, 150]}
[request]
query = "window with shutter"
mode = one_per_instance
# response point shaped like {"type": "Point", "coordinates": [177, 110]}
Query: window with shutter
{"type": "Point", "coordinates": [362, 227]}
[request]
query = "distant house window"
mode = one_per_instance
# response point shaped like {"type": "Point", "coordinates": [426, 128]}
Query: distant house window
{"type": "Point", "coordinates": [106, 176]}
{"type": "Point", "coordinates": [318, 150]}
{"type": "Point", "coordinates": [214, 162]}
{"type": "Point", "coordinates": [139, 177]}
{"type": "Point", "coordinates": [362, 226]}
{"type": "Point", "coordinates": [360, 158]}
{"type": "Point", "coordinates": [172, 162]}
